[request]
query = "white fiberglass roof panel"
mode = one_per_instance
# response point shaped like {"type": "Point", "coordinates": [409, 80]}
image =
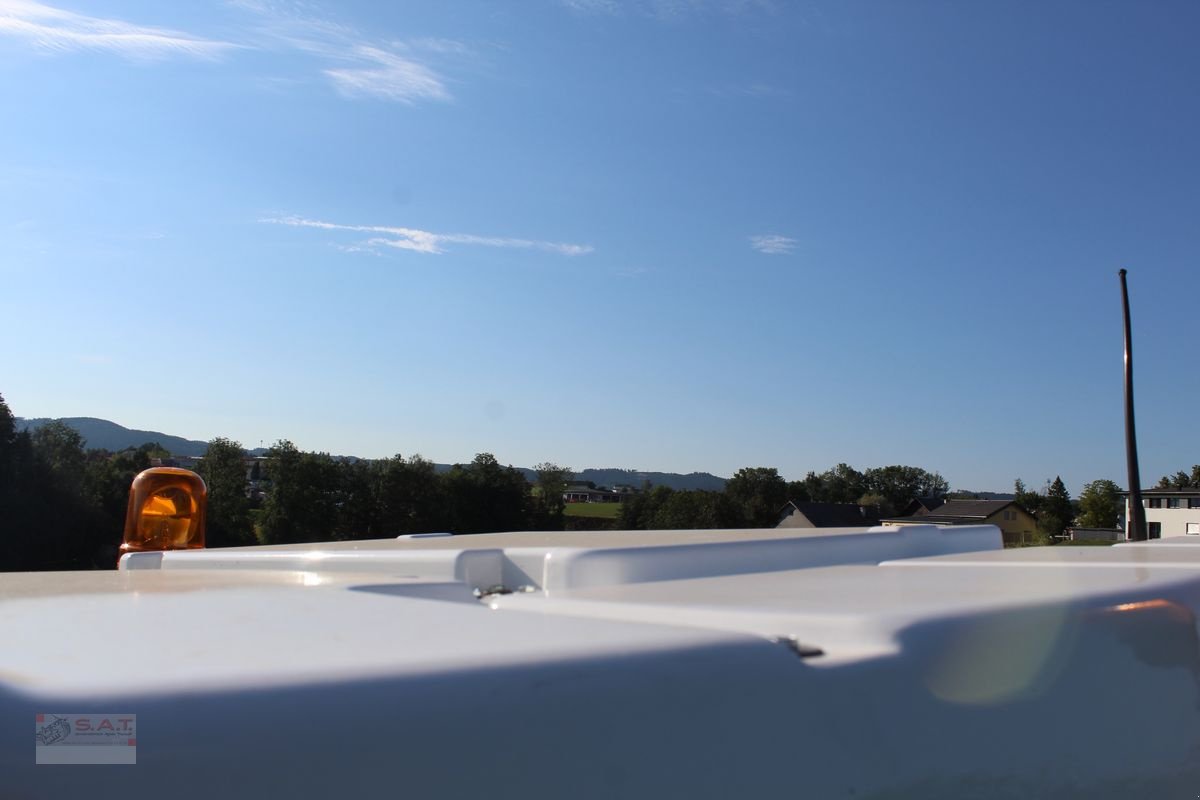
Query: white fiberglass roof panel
{"type": "Point", "coordinates": [268, 634]}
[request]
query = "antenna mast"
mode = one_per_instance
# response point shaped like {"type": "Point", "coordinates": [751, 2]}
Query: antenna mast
{"type": "Point", "coordinates": [1135, 525]}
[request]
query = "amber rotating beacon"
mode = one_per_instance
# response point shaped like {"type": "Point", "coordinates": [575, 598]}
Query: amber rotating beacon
{"type": "Point", "coordinates": [166, 511]}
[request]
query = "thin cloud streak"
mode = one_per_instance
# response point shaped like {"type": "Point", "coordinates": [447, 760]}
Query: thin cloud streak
{"type": "Point", "coordinates": [58, 30]}
{"type": "Point", "coordinates": [773, 244]}
{"type": "Point", "coordinates": [593, 6]}
{"type": "Point", "coordinates": [355, 65]}
{"type": "Point", "coordinates": [389, 76]}
{"type": "Point", "coordinates": [427, 242]}
{"type": "Point", "coordinates": [668, 9]}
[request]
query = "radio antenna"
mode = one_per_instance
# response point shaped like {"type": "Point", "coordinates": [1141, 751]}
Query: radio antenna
{"type": "Point", "coordinates": [1135, 525]}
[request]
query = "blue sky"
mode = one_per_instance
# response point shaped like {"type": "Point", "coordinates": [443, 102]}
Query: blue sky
{"type": "Point", "coordinates": [658, 234]}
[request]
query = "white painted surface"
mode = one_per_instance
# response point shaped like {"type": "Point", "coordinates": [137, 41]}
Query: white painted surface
{"type": "Point", "coordinates": [628, 668]}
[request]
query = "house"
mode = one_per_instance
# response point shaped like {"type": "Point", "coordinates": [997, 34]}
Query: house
{"type": "Point", "coordinates": [1016, 524]}
{"type": "Point", "coordinates": [921, 505]}
{"type": "Point", "coordinates": [1170, 512]}
{"type": "Point", "coordinates": [579, 493]}
{"type": "Point", "coordinates": [825, 515]}
{"type": "Point", "coordinates": [183, 462]}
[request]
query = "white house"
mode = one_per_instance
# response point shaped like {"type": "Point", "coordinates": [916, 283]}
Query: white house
{"type": "Point", "coordinates": [1170, 512]}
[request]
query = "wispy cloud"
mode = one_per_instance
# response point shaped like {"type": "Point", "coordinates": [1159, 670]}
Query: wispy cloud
{"type": "Point", "coordinates": [356, 65]}
{"type": "Point", "coordinates": [55, 29]}
{"type": "Point", "coordinates": [773, 244]}
{"type": "Point", "coordinates": [594, 6]}
{"type": "Point", "coordinates": [667, 9]}
{"type": "Point", "coordinates": [426, 241]}
{"type": "Point", "coordinates": [388, 76]}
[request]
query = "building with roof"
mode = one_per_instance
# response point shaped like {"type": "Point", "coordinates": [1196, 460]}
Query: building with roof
{"type": "Point", "coordinates": [921, 505]}
{"type": "Point", "coordinates": [1016, 524]}
{"type": "Point", "coordinates": [1170, 512]}
{"type": "Point", "coordinates": [577, 493]}
{"type": "Point", "coordinates": [825, 515]}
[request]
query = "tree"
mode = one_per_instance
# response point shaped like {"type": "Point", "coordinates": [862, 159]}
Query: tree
{"type": "Point", "coordinates": [1056, 512]}
{"type": "Point", "coordinates": [882, 505]}
{"type": "Point", "coordinates": [8, 447]}
{"type": "Point", "coordinates": [552, 482]}
{"type": "Point", "coordinates": [60, 447]}
{"type": "Point", "coordinates": [223, 468]}
{"type": "Point", "coordinates": [697, 510]}
{"type": "Point", "coordinates": [47, 517]}
{"type": "Point", "coordinates": [484, 497]}
{"type": "Point", "coordinates": [760, 492]}
{"type": "Point", "coordinates": [302, 505]}
{"type": "Point", "coordinates": [638, 513]}
{"type": "Point", "coordinates": [1181, 480]}
{"type": "Point", "coordinates": [358, 503]}
{"type": "Point", "coordinates": [1099, 504]}
{"type": "Point", "coordinates": [411, 498]}
{"type": "Point", "coordinates": [1030, 501]}
{"type": "Point", "coordinates": [798, 491]}
{"type": "Point", "coordinates": [840, 484]}
{"type": "Point", "coordinates": [106, 485]}
{"type": "Point", "coordinates": [21, 497]}
{"type": "Point", "coordinates": [901, 484]}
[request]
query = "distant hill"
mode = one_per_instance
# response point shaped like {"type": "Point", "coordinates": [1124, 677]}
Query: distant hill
{"type": "Point", "coordinates": [629, 477]}
{"type": "Point", "coordinates": [964, 494]}
{"type": "Point", "coordinates": [100, 434]}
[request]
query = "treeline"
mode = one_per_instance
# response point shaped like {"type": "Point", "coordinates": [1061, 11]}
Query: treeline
{"type": "Point", "coordinates": [313, 497]}
{"type": "Point", "coordinates": [63, 506]}
{"type": "Point", "coordinates": [1099, 505]}
{"type": "Point", "coordinates": [754, 496]}
{"type": "Point", "coordinates": [1052, 507]}
{"type": "Point", "coordinates": [1181, 480]}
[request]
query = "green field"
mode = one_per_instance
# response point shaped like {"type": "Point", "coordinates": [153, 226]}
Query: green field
{"type": "Point", "coordinates": [593, 510]}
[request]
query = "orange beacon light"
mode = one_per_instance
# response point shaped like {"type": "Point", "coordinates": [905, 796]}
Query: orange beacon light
{"type": "Point", "coordinates": [166, 511]}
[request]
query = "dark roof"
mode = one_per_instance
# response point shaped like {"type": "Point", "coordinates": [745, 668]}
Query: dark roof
{"type": "Point", "coordinates": [962, 512]}
{"type": "Point", "coordinates": [972, 508]}
{"type": "Point", "coordinates": [836, 515]}
{"type": "Point", "coordinates": [1167, 492]}
{"type": "Point", "coordinates": [921, 505]}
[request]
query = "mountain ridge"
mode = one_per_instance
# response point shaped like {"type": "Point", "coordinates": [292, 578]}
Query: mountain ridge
{"type": "Point", "coordinates": [103, 434]}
